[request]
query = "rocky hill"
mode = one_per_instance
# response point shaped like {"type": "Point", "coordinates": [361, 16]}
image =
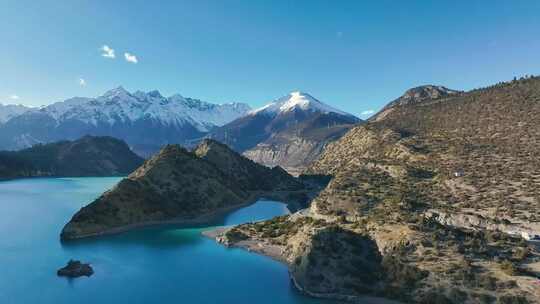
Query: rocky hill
{"type": "Point", "coordinates": [428, 203]}
{"type": "Point", "coordinates": [181, 186]}
{"type": "Point", "coordinates": [421, 94]}
{"type": "Point", "coordinates": [289, 132]}
{"type": "Point", "coordinates": [88, 156]}
{"type": "Point", "coordinates": [145, 120]}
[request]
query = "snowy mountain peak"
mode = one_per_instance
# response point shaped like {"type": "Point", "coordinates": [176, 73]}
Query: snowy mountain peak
{"type": "Point", "coordinates": [116, 92]}
{"type": "Point", "coordinates": [297, 101]}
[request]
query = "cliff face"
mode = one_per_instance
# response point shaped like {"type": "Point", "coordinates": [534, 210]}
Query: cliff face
{"type": "Point", "coordinates": [293, 155]}
{"type": "Point", "coordinates": [295, 148]}
{"type": "Point", "coordinates": [181, 186]}
{"type": "Point", "coordinates": [88, 156]}
{"type": "Point", "coordinates": [419, 190]}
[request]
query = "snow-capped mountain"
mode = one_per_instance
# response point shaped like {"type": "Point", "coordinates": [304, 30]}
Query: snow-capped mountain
{"type": "Point", "coordinates": [296, 101]}
{"type": "Point", "coordinates": [9, 111]}
{"type": "Point", "coordinates": [289, 131]}
{"type": "Point", "coordinates": [118, 105]}
{"type": "Point", "coordinates": [146, 121]}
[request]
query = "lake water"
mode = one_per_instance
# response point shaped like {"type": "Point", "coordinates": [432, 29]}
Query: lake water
{"type": "Point", "coordinates": [154, 265]}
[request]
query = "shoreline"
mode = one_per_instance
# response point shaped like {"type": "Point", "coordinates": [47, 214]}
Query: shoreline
{"type": "Point", "coordinates": [201, 220]}
{"type": "Point", "coordinates": [9, 179]}
{"type": "Point", "coordinates": [270, 251]}
{"type": "Point", "coordinates": [204, 219]}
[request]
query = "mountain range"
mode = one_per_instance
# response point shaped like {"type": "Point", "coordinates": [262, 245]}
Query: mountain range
{"type": "Point", "coordinates": [146, 121]}
{"type": "Point", "coordinates": [290, 131]}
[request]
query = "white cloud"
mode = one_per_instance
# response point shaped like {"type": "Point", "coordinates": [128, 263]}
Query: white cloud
{"type": "Point", "coordinates": [82, 82]}
{"type": "Point", "coordinates": [367, 112]}
{"type": "Point", "coordinates": [107, 52]}
{"type": "Point", "coordinates": [14, 97]}
{"type": "Point", "coordinates": [130, 58]}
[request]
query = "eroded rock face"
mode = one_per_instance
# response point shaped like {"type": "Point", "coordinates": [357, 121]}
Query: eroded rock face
{"type": "Point", "coordinates": [476, 221]}
{"type": "Point", "coordinates": [75, 269]}
{"type": "Point", "coordinates": [181, 186]}
{"type": "Point", "coordinates": [293, 155]}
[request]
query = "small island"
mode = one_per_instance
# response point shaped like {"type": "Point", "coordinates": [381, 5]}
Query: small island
{"type": "Point", "coordinates": [75, 269]}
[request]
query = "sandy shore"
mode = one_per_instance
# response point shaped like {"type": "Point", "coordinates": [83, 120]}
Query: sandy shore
{"type": "Point", "coordinates": [273, 251]}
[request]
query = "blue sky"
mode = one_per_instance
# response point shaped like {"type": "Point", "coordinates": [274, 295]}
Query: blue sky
{"type": "Point", "coordinates": [354, 55]}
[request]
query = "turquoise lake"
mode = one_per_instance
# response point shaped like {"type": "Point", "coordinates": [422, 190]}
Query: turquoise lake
{"type": "Point", "coordinates": [154, 265]}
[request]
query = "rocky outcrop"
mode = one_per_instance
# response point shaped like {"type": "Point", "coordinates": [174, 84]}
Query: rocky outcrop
{"type": "Point", "coordinates": [88, 156]}
{"type": "Point", "coordinates": [469, 220]}
{"type": "Point", "coordinates": [177, 185]}
{"type": "Point", "coordinates": [421, 94]}
{"type": "Point", "coordinates": [75, 269]}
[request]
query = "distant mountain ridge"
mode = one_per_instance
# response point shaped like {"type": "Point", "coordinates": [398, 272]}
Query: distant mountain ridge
{"type": "Point", "coordinates": [290, 131]}
{"type": "Point", "coordinates": [88, 156]}
{"type": "Point", "coordinates": [146, 121]}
